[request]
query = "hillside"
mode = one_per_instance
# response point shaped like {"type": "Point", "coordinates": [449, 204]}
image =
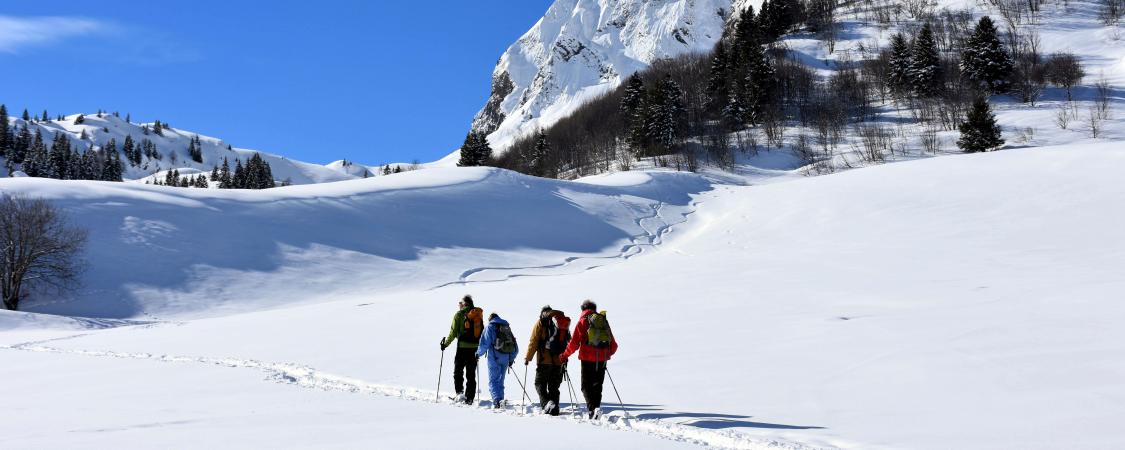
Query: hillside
{"type": "Point", "coordinates": [171, 148]}
{"type": "Point", "coordinates": [965, 302]}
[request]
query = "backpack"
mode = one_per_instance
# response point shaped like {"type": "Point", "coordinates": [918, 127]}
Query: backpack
{"type": "Point", "coordinates": [473, 325]}
{"type": "Point", "coordinates": [598, 333]}
{"type": "Point", "coordinates": [557, 328]}
{"type": "Point", "coordinates": [505, 341]}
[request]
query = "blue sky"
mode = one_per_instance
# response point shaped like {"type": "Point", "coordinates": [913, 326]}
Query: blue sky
{"type": "Point", "coordinates": [370, 81]}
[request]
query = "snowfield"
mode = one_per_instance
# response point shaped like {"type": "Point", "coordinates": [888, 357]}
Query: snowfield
{"type": "Point", "coordinates": [966, 302]}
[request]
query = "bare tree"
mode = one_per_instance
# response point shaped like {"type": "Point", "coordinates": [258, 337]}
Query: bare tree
{"type": "Point", "coordinates": [40, 248]}
{"type": "Point", "coordinates": [1064, 70]}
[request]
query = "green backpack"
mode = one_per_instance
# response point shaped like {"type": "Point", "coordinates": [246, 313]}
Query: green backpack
{"type": "Point", "coordinates": [505, 341]}
{"type": "Point", "coordinates": [598, 333]}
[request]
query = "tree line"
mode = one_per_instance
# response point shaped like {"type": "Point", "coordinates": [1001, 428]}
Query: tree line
{"type": "Point", "coordinates": [750, 93]}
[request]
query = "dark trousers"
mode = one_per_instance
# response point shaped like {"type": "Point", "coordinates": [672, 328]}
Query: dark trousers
{"type": "Point", "coordinates": [465, 372]}
{"type": "Point", "coordinates": [593, 376]}
{"type": "Point", "coordinates": [548, 378]}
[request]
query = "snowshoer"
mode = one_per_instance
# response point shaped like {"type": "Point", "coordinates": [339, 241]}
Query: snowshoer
{"type": "Point", "coordinates": [500, 345]}
{"type": "Point", "coordinates": [468, 324]}
{"type": "Point", "coordinates": [549, 338]}
{"type": "Point", "coordinates": [594, 342]}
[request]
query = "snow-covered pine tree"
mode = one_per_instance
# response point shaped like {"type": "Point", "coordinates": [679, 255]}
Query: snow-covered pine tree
{"type": "Point", "coordinates": [717, 90]}
{"type": "Point", "coordinates": [925, 64]}
{"type": "Point", "coordinates": [899, 62]}
{"type": "Point", "coordinates": [214, 173]}
{"type": "Point", "coordinates": [985, 65]}
{"type": "Point", "coordinates": [633, 110]}
{"type": "Point", "coordinates": [760, 84]}
{"type": "Point", "coordinates": [665, 113]}
{"type": "Point", "coordinates": [979, 132]}
{"type": "Point", "coordinates": [81, 119]}
{"type": "Point", "coordinates": [537, 161]}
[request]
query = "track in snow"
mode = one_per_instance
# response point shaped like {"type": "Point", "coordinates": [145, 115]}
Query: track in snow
{"type": "Point", "coordinates": [310, 378]}
{"type": "Point", "coordinates": [649, 239]}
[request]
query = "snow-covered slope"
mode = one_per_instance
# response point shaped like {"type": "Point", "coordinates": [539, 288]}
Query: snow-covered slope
{"type": "Point", "coordinates": [966, 302]}
{"type": "Point", "coordinates": [172, 252]}
{"type": "Point", "coordinates": [172, 146]}
{"type": "Point", "coordinates": [583, 48]}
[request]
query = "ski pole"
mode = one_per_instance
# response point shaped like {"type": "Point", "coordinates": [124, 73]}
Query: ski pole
{"type": "Point", "coordinates": [525, 379]}
{"type": "Point", "coordinates": [611, 383]}
{"type": "Point", "coordinates": [517, 377]}
{"type": "Point", "coordinates": [441, 365]}
{"type": "Point", "coordinates": [478, 380]}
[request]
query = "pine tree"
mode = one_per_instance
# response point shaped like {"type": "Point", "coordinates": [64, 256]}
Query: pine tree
{"type": "Point", "coordinates": [386, 169]}
{"type": "Point", "coordinates": [717, 89]}
{"type": "Point", "coordinates": [666, 107]}
{"type": "Point", "coordinates": [760, 84]}
{"type": "Point", "coordinates": [475, 151]}
{"type": "Point", "coordinates": [26, 116]}
{"type": "Point", "coordinates": [925, 64]}
{"type": "Point", "coordinates": [984, 63]}
{"type": "Point", "coordinates": [225, 181]}
{"type": "Point", "coordinates": [214, 173]}
{"type": "Point", "coordinates": [899, 62]}
{"type": "Point", "coordinates": [158, 128]}
{"type": "Point", "coordinates": [35, 164]}
{"type": "Point", "coordinates": [81, 119]}
{"type": "Point", "coordinates": [195, 149]}
{"type": "Point", "coordinates": [21, 147]}
{"type": "Point", "coordinates": [60, 154]}
{"type": "Point", "coordinates": [238, 180]}
{"type": "Point", "coordinates": [131, 152]}
{"type": "Point", "coordinates": [537, 160]}
{"type": "Point", "coordinates": [6, 137]}
{"type": "Point", "coordinates": [980, 133]}
{"type": "Point", "coordinates": [112, 169]}
{"type": "Point", "coordinates": [634, 112]}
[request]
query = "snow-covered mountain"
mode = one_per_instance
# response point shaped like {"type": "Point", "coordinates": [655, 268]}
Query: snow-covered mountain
{"type": "Point", "coordinates": [172, 149]}
{"type": "Point", "coordinates": [583, 48]}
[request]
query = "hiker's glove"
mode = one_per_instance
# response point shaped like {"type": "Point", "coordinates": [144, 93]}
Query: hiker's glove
{"type": "Point", "coordinates": [443, 344]}
{"type": "Point", "coordinates": [510, 363]}
{"type": "Point", "coordinates": [526, 362]}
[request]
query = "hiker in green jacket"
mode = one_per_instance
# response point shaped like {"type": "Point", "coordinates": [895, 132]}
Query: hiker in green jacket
{"type": "Point", "coordinates": [468, 323]}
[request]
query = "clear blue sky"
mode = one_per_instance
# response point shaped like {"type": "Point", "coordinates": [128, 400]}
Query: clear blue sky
{"type": "Point", "coordinates": [371, 81]}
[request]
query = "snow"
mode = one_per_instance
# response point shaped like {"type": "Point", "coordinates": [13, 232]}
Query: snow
{"type": "Point", "coordinates": [958, 302]}
{"type": "Point", "coordinates": [172, 147]}
{"type": "Point", "coordinates": [961, 301]}
{"type": "Point", "coordinates": [581, 49]}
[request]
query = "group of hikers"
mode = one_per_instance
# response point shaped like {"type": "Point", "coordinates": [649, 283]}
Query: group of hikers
{"type": "Point", "coordinates": [551, 345]}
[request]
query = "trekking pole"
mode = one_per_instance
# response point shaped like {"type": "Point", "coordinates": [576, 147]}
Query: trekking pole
{"type": "Point", "coordinates": [525, 379]}
{"type": "Point", "coordinates": [478, 381]}
{"type": "Point", "coordinates": [517, 377]}
{"type": "Point", "coordinates": [611, 383]}
{"type": "Point", "coordinates": [569, 388]}
{"type": "Point", "coordinates": [441, 365]}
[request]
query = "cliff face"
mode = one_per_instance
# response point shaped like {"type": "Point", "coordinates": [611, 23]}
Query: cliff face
{"type": "Point", "coordinates": [583, 48]}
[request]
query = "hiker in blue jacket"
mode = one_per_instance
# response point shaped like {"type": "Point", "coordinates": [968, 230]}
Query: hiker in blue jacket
{"type": "Point", "coordinates": [500, 345]}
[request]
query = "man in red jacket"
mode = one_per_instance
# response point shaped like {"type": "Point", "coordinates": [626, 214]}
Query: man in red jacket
{"type": "Point", "coordinates": [595, 344]}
